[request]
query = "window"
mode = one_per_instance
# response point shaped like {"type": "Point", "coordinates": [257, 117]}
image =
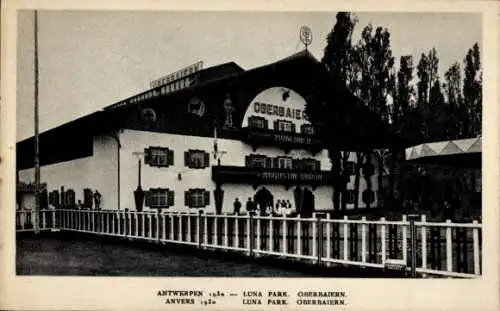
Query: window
{"type": "Point", "coordinates": [196, 159]}
{"type": "Point", "coordinates": [196, 198]}
{"type": "Point", "coordinates": [257, 122]}
{"type": "Point", "coordinates": [159, 198]}
{"type": "Point", "coordinates": [284, 126]}
{"type": "Point", "coordinates": [307, 129]}
{"type": "Point", "coordinates": [311, 164]}
{"type": "Point", "coordinates": [285, 163]}
{"type": "Point", "coordinates": [257, 160]}
{"type": "Point", "coordinates": [157, 156]}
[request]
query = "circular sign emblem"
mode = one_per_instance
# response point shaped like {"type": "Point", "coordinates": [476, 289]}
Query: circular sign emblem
{"type": "Point", "coordinates": [196, 107]}
{"type": "Point", "coordinates": [305, 35]}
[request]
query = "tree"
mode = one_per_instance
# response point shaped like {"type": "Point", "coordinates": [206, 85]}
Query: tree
{"type": "Point", "coordinates": [337, 59]}
{"type": "Point", "coordinates": [458, 122]}
{"type": "Point", "coordinates": [472, 89]}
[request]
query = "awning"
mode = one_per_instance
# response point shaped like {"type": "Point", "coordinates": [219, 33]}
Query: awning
{"type": "Point", "coordinates": [461, 152]}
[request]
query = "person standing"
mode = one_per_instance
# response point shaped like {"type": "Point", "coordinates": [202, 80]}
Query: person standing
{"type": "Point", "coordinates": [237, 206]}
{"type": "Point", "coordinates": [97, 200]}
{"type": "Point", "coordinates": [249, 206]}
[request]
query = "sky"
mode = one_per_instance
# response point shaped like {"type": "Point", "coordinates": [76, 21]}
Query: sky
{"type": "Point", "coordinates": [92, 59]}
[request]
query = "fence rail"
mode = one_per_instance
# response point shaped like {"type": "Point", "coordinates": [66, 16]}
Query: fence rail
{"type": "Point", "coordinates": [442, 249]}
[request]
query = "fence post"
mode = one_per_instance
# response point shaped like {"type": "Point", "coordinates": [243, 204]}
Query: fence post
{"type": "Point", "coordinates": [413, 244]}
{"type": "Point", "coordinates": [299, 240]}
{"type": "Point", "coordinates": [363, 239]}
{"type": "Point", "coordinates": [54, 225]}
{"type": "Point", "coordinates": [319, 239]}
{"type": "Point", "coordinates": [423, 233]}
{"type": "Point", "coordinates": [328, 236]}
{"type": "Point", "coordinates": [215, 233]}
{"type": "Point", "coordinates": [283, 228]}
{"type": "Point", "coordinates": [205, 230]}
{"type": "Point", "coordinates": [250, 233]}
{"type": "Point", "coordinates": [158, 238]}
{"type": "Point", "coordinates": [189, 227]}
{"type": "Point", "coordinates": [226, 237]}
{"type": "Point", "coordinates": [271, 244]}
{"type": "Point", "coordinates": [346, 242]}
{"type": "Point", "coordinates": [258, 232]}
{"type": "Point", "coordinates": [383, 241]}
{"type": "Point", "coordinates": [449, 266]}
{"type": "Point", "coordinates": [404, 244]}
{"type": "Point", "coordinates": [475, 245]}
{"type": "Point", "coordinates": [198, 227]}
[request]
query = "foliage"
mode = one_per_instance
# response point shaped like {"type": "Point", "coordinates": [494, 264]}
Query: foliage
{"type": "Point", "coordinates": [418, 111]}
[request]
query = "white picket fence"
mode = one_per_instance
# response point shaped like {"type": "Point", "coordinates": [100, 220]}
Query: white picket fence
{"type": "Point", "coordinates": [442, 248]}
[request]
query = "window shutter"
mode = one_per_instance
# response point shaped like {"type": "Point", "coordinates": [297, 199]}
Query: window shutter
{"type": "Point", "coordinates": [206, 159]}
{"type": "Point", "coordinates": [266, 124]}
{"type": "Point", "coordinates": [170, 201]}
{"type": "Point", "coordinates": [275, 162]}
{"type": "Point", "coordinates": [147, 198]}
{"type": "Point", "coordinates": [296, 164]}
{"type": "Point", "coordinates": [186, 158]}
{"type": "Point", "coordinates": [275, 125]}
{"type": "Point", "coordinates": [186, 198]}
{"type": "Point", "coordinates": [206, 198]}
{"type": "Point", "coordinates": [147, 155]}
{"type": "Point", "coordinates": [269, 162]}
{"type": "Point", "coordinates": [293, 127]}
{"type": "Point", "coordinates": [170, 157]}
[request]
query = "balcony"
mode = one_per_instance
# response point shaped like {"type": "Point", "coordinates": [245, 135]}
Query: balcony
{"type": "Point", "coordinates": [258, 176]}
{"type": "Point", "coordinates": [287, 140]}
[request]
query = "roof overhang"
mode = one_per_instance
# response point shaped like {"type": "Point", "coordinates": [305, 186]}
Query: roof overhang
{"type": "Point", "coordinates": [461, 152]}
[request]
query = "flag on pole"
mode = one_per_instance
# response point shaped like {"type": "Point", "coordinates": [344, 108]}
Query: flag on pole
{"type": "Point", "coordinates": [215, 143]}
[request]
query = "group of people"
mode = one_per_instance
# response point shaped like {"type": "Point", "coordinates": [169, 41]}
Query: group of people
{"type": "Point", "coordinates": [282, 207]}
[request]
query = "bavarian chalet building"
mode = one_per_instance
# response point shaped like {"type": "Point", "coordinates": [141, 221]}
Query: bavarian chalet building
{"type": "Point", "coordinates": [202, 138]}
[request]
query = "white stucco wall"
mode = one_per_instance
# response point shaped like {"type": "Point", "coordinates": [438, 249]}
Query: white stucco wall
{"type": "Point", "coordinates": [96, 172]}
{"type": "Point", "coordinates": [155, 177]}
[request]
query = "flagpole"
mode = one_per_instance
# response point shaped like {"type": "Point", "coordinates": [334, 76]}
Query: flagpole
{"type": "Point", "coordinates": [37, 146]}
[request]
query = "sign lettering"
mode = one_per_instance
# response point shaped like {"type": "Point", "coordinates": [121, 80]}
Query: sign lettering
{"type": "Point", "coordinates": [279, 111]}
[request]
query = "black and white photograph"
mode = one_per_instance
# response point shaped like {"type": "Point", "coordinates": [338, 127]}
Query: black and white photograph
{"type": "Point", "coordinates": [334, 144]}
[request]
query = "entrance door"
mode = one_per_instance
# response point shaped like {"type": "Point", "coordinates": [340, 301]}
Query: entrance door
{"type": "Point", "coordinates": [307, 203]}
{"type": "Point", "coordinates": [264, 199]}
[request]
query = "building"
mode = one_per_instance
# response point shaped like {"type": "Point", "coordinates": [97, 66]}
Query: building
{"type": "Point", "coordinates": [202, 138]}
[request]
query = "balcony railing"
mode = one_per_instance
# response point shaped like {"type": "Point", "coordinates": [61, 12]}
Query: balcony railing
{"type": "Point", "coordinates": [288, 140]}
{"type": "Point", "coordinates": [259, 175]}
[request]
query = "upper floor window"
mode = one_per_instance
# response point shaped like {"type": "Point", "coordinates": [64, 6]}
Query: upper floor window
{"type": "Point", "coordinates": [157, 156]}
{"type": "Point", "coordinates": [284, 126]}
{"type": "Point", "coordinates": [257, 122]}
{"type": "Point", "coordinates": [159, 198]}
{"type": "Point", "coordinates": [196, 198]}
{"type": "Point", "coordinates": [307, 129]}
{"type": "Point", "coordinates": [285, 163]}
{"type": "Point", "coordinates": [311, 164]}
{"type": "Point", "coordinates": [196, 159]}
{"type": "Point", "coordinates": [256, 160]}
